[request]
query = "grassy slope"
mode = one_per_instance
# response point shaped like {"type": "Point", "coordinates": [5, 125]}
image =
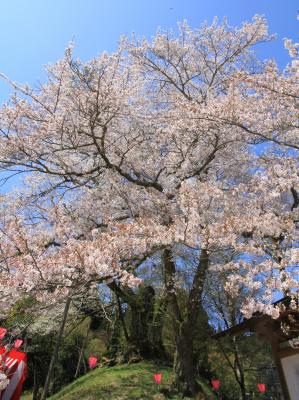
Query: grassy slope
{"type": "Point", "coordinates": [26, 396]}
{"type": "Point", "coordinates": [121, 382]}
{"type": "Point", "coordinates": [125, 382]}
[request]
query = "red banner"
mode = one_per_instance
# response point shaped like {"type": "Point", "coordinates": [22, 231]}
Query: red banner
{"type": "Point", "coordinates": [16, 371]}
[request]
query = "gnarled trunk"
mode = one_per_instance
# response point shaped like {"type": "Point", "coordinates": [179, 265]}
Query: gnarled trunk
{"type": "Point", "coordinates": [144, 329]}
{"type": "Point", "coordinates": [184, 323]}
{"type": "Point", "coordinates": [184, 362]}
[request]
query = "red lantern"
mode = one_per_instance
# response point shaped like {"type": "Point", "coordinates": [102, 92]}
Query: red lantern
{"type": "Point", "coordinates": [18, 343]}
{"type": "Point", "coordinates": [215, 384]}
{"type": "Point", "coordinates": [92, 361]}
{"type": "Point", "coordinates": [158, 378]}
{"type": "Point", "coordinates": [2, 332]}
{"type": "Point", "coordinates": [262, 387]}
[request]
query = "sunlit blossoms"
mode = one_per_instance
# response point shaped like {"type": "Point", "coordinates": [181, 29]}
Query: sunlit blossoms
{"type": "Point", "coordinates": [181, 141]}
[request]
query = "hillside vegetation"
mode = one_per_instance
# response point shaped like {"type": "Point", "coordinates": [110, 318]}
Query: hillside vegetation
{"type": "Point", "coordinates": [135, 381]}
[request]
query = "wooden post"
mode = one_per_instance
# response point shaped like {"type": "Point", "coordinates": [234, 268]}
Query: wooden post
{"type": "Point", "coordinates": [277, 360]}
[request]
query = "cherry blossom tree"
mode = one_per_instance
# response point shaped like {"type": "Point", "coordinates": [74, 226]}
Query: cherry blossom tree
{"type": "Point", "coordinates": [186, 141]}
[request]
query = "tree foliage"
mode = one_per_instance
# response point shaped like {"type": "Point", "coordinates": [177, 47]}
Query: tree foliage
{"type": "Point", "coordinates": [183, 146]}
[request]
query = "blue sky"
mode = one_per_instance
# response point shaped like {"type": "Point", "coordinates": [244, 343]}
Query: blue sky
{"type": "Point", "coordinates": [36, 32]}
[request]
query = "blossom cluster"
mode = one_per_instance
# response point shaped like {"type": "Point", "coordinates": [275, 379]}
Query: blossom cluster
{"type": "Point", "coordinates": [185, 140]}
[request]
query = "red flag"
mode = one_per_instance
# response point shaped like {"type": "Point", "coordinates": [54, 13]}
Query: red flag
{"type": "Point", "coordinates": [92, 361]}
{"type": "Point", "coordinates": [215, 384]}
{"type": "Point", "coordinates": [262, 387]}
{"type": "Point", "coordinates": [158, 378]}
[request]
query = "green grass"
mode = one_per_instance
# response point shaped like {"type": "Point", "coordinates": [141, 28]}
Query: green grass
{"type": "Point", "coordinates": [26, 396]}
{"type": "Point", "coordinates": [125, 382]}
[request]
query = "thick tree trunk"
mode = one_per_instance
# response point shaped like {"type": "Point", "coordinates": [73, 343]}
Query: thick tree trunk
{"type": "Point", "coordinates": [56, 349]}
{"type": "Point", "coordinates": [144, 333]}
{"type": "Point", "coordinates": [185, 364]}
{"type": "Point", "coordinates": [146, 325]}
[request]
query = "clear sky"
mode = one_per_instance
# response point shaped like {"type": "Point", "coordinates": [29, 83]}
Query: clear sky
{"type": "Point", "coordinates": [36, 32]}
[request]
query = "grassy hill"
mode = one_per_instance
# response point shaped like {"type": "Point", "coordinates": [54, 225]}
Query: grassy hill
{"type": "Point", "coordinates": [125, 382]}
